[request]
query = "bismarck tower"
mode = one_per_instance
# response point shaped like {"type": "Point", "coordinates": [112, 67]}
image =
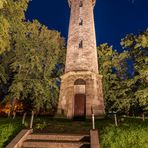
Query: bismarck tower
{"type": "Point", "coordinates": [81, 85]}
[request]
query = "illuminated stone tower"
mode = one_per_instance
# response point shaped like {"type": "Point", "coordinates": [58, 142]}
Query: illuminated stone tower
{"type": "Point", "coordinates": [81, 85]}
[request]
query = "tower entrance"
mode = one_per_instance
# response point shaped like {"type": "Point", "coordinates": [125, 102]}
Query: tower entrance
{"type": "Point", "coordinates": [79, 99]}
{"type": "Point", "coordinates": [80, 106]}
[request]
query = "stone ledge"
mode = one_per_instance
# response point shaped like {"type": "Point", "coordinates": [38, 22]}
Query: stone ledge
{"type": "Point", "coordinates": [48, 144]}
{"type": "Point", "coordinates": [80, 73]}
{"type": "Point", "coordinates": [94, 139]}
{"type": "Point", "coordinates": [57, 137]}
{"type": "Point", "coordinates": [19, 139]}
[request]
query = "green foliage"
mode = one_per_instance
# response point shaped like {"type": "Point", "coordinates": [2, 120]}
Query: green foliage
{"type": "Point", "coordinates": [28, 63]}
{"type": "Point", "coordinates": [10, 11]}
{"type": "Point", "coordinates": [4, 36]}
{"type": "Point", "coordinates": [122, 92]}
{"type": "Point", "coordinates": [36, 55]}
{"type": "Point", "coordinates": [8, 129]}
{"type": "Point", "coordinates": [3, 76]}
{"type": "Point", "coordinates": [33, 65]}
{"type": "Point", "coordinates": [112, 66]}
{"type": "Point", "coordinates": [138, 52]}
{"type": "Point", "coordinates": [2, 3]}
{"type": "Point", "coordinates": [130, 133]}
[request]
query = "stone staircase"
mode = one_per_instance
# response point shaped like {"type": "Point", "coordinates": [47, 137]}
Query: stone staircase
{"type": "Point", "coordinates": [42, 140]}
{"type": "Point", "coordinates": [28, 139]}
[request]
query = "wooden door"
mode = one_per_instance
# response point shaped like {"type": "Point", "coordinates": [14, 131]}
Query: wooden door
{"type": "Point", "coordinates": [79, 106]}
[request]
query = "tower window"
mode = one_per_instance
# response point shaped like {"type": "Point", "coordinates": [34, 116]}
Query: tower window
{"type": "Point", "coordinates": [79, 82]}
{"type": "Point", "coordinates": [81, 4]}
{"type": "Point", "coordinates": [80, 22]}
{"type": "Point", "coordinates": [81, 44]}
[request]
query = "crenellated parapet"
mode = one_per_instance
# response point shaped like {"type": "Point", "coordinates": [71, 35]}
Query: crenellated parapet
{"type": "Point", "coordinates": [70, 1]}
{"type": "Point", "coordinates": [93, 2]}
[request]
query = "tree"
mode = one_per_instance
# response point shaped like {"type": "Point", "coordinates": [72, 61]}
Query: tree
{"type": "Point", "coordinates": [10, 11]}
{"type": "Point", "coordinates": [4, 40]}
{"type": "Point", "coordinates": [112, 66]}
{"type": "Point", "coordinates": [34, 51]}
{"type": "Point", "coordinates": [36, 54]}
{"type": "Point", "coordinates": [124, 90]}
{"type": "Point", "coordinates": [137, 46]}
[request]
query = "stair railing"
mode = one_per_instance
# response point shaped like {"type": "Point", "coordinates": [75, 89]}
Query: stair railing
{"type": "Point", "coordinates": [93, 118]}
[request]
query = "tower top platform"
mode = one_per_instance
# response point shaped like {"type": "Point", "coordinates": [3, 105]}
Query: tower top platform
{"type": "Point", "coordinates": [70, 1]}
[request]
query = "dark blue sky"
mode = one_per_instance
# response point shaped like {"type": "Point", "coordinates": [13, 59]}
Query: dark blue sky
{"type": "Point", "coordinates": [113, 18]}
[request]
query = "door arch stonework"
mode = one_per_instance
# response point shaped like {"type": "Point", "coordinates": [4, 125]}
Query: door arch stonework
{"type": "Point", "coordinates": [86, 83]}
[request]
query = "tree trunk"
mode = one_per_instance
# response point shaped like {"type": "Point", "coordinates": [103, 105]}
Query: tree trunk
{"type": "Point", "coordinates": [24, 117]}
{"type": "Point", "coordinates": [31, 121]}
{"type": "Point", "coordinates": [9, 113]}
{"type": "Point", "coordinates": [115, 118]}
{"type": "Point", "coordinates": [143, 117]}
{"type": "Point", "coordinates": [14, 115]}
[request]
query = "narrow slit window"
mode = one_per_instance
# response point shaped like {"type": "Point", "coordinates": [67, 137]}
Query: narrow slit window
{"type": "Point", "coordinates": [81, 44]}
{"type": "Point", "coordinates": [80, 22]}
{"type": "Point", "coordinates": [81, 4]}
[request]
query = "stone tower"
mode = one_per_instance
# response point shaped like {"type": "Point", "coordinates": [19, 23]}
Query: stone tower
{"type": "Point", "coordinates": [81, 85]}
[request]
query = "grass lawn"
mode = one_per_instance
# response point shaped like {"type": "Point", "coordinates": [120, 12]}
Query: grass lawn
{"type": "Point", "coordinates": [131, 132]}
{"type": "Point", "coordinates": [8, 129]}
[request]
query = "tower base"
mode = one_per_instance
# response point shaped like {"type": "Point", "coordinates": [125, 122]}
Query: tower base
{"type": "Point", "coordinates": [80, 93]}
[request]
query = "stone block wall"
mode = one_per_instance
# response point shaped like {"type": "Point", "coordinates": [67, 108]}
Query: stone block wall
{"type": "Point", "coordinates": [85, 58]}
{"type": "Point", "coordinates": [93, 92]}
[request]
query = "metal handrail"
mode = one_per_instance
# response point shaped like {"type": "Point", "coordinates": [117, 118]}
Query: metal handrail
{"type": "Point", "coordinates": [93, 119]}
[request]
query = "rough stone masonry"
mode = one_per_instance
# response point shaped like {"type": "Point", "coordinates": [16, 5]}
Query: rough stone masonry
{"type": "Point", "coordinates": [81, 85]}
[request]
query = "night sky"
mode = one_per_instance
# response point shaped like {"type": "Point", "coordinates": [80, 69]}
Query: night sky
{"type": "Point", "coordinates": [113, 18]}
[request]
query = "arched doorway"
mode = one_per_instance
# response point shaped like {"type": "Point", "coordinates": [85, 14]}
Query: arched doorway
{"type": "Point", "coordinates": [79, 99]}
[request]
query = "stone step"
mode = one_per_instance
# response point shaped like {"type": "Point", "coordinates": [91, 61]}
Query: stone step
{"type": "Point", "coordinates": [54, 144]}
{"type": "Point", "coordinates": [56, 137]}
